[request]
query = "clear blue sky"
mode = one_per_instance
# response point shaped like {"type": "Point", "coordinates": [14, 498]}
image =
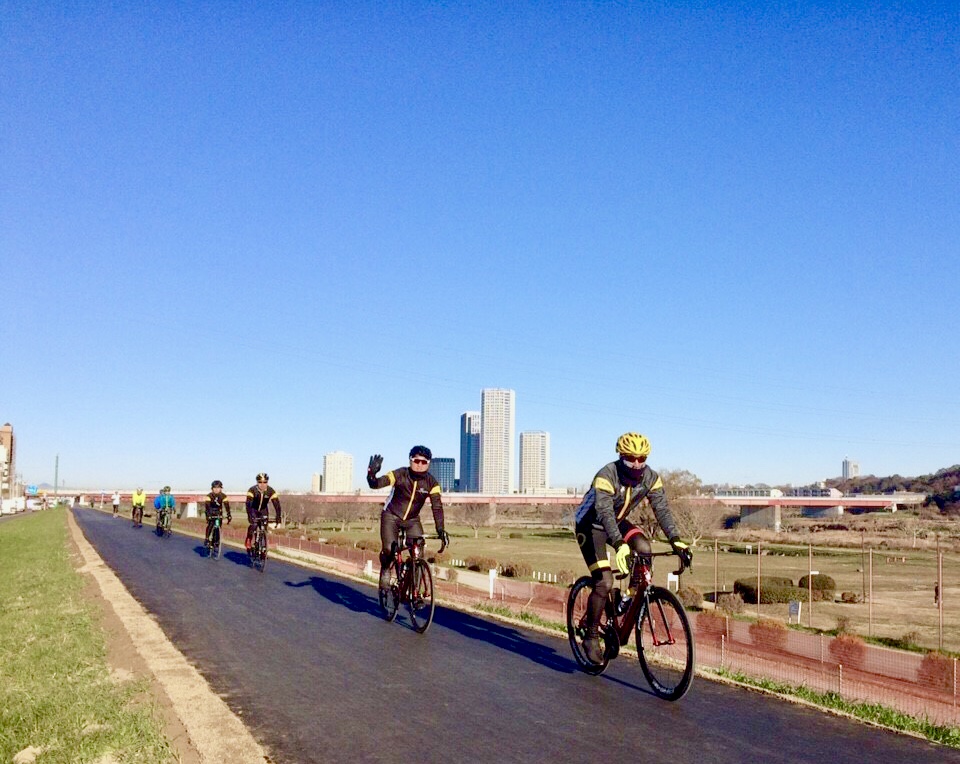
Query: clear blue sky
{"type": "Point", "coordinates": [235, 237]}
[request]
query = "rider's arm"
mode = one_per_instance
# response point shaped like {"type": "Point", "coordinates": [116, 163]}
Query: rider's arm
{"type": "Point", "coordinates": [276, 506]}
{"type": "Point", "coordinates": [226, 507]}
{"type": "Point", "coordinates": [382, 481]}
{"type": "Point", "coordinates": [436, 504]}
{"type": "Point", "coordinates": [658, 500]}
{"type": "Point", "coordinates": [603, 506]}
{"type": "Point", "coordinates": [251, 505]}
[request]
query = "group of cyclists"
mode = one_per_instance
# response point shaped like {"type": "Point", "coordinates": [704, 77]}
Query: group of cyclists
{"type": "Point", "coordinates": [602, 518]}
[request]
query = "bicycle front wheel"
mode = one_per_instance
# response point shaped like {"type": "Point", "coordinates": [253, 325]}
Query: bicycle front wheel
{"type": "Point", "coordinates": [665, 644]}
{"type": "Point", "coordinates": [215, 543]}
{"type": "Point", "coordinates": [390, 597]}
{"type": "Point", "coordinates": [260, 552]}
{"type": "Point", "coordinates": [421, 602]}
{"type": "Point", "coordinates": [577, 625]}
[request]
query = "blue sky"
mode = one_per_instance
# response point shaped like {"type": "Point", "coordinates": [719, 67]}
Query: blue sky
{"type": "Point", "coordinates": [235, 237]}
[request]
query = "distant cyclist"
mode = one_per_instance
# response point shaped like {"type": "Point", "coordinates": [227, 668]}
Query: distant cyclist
{"type": "Point", "coordinates": [410, 488]}
{"type": "Point", "coordinates": [165, 502]}
{"type": "Point", "coordinates": [216, 506]}
{"type": "Point", "coordinates": [259, 498]}
{"type": "Point", "coordinates": [137, 502]}
{"type": "Point", "coordinates": [601, 519]}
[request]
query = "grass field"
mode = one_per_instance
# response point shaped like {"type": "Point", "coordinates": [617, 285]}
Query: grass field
{"type": "Point", "coordinates": [902, 580]}
{"type": "Point", "coordinates": [56, 694]}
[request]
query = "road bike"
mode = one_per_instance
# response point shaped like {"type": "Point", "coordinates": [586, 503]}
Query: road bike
{"type": "Point", "coordinates": [164, 523]}
{"type": "Point", "coordinates": [137, 516]}
{"type": "Point", "coordinates": [258, 544]}
{"type": "Point", "coordinates": [664, 641]}
{"type": "Point", "coordinates": [411, 584]}
{"type": "Point", "coordinates": [213, 543]}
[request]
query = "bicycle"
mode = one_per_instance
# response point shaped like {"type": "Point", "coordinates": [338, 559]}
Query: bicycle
{"type": "Point", "coordinates": [137, 516]}
{"type": "Point", "coordinates": [258, 544]}
{"type": "Point", "coordinates": [213, 544]}
{"type": "Point", "coordinates": [164, 523]}
{"type": "Point", "coordinates": [411, 583]}
{"type": "Point", "coordinates": [664, 641]}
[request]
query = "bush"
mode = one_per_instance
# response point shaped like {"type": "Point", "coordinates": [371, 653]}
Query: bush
{"type": "Point", "coordinates": [936, 670]}
{"type": "Point", "coordinates": [731, 604]}
{"type": "Point", "coordinates": [848, 650]}
{"type": "Point", "coordinates": [844, 625]}
{"type": "Point", "coordinates": [451, 575]}
{"type": "Point", "coordinates": [690, 596]}
{"type": "Point", "coordinates": [823, 586]}
{"type": "Point", "coordinates": [481, 564]}
{"type": "Point", "coordinates": [711, 623]}
{"type": "Point", "coordinates": [368, 544]}
{"type": "Point", "coordinates": [514, 535]}
{"type": "Point", "coordinates": [851, 598]}
{"type": "Point", "coordinates": [338, 540]}
{"type": "Point", "coordinates": [768, 632]}
{"type": "Point", "coordinates": [517, 569]}
{"type": "Point", "coordinates": [566, 577]}
{"type": "Point", "coordinates": [772, 589]}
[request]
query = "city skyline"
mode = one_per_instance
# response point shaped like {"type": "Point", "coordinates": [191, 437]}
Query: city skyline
{"type": "Point", "coordinates": [534, 461]}
{"type": "Point", "coordinates": [498, 467]}
{"type": "Point", "coordinates": [724, 228]}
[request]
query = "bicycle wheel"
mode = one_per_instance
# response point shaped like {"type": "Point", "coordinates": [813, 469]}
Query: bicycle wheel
{"type": "Point", "coordinates": [390, 597]}
{"type": "Point", "coordinates": [260, 551]}
{"type": "Point", "coordinates": [421, 602]}
{"type": "Point", "coordinates": [215, 542]}
{"type": "Point", "coordinates": [576, 626]}
{"type": "Point", "coordinates": [665, 644]}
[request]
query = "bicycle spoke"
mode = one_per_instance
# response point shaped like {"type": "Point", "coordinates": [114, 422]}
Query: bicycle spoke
{"type": "Point", "coordinates": [665, 645]}
{"type": "Point", "coordinates": [421, 602]}
{"type": "Point", "coordinates": [576, 625]}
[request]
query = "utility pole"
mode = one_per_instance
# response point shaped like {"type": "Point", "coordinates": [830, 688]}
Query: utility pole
{"type": "Point", "coordinates": [56, 478]}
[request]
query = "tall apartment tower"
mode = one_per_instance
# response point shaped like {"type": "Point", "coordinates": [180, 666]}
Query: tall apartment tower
{"type": "Point", "coordinates": [8, 462]}
{"type": "Point", "coordinates": [444, 469]}
{"type": "Point", "coordinates": [337, 472]}
{"type": "Point", "coordinates": [497, 436]}
{"type": "Point", "coordinates": [850, 469]}
{"type": "Point", "coordinates": [534, 461]}
{"type": "Point", "coordinates": [315, 483]}
{"type": "Point", "coordinates": [470, 451]}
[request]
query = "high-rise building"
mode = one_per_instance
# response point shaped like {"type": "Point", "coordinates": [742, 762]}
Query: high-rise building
{"type": "Point", "coordinates": [470, 451]}
{"type": "Point", "coordinates": [850, 469]}
{"type": "Point", "coordinates": [444, 469]}
{"type": "Point", "coordinates": [315, 483]}
{"type": "Point", "coordinates": [337, 472]}
{"type": "Point", "coordinates": [8, 462]}
{"type": "Point", "coordinates": [534, 461]}
{"type": "Point", "coordinates": [497, 434]}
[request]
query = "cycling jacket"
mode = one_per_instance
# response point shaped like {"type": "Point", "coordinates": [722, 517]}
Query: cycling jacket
{"type": "Point", "coordinates": [138, 499]}
{"type": "Point", "coordinates": [610, 500]}
{"type": "Point", "coordinates": [164, 501]}
{"type": "Point", "coordinates": [409, 492]}
{"type": "Point", "coordinates": [216, 503]}
{"type": "Point", "coordinates": [258, 502]}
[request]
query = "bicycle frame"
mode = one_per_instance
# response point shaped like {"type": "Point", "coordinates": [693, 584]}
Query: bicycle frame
{"type": "Point", "coordinates": [623, 625]}
{"type": "Point", "coordinates": [403, 570]}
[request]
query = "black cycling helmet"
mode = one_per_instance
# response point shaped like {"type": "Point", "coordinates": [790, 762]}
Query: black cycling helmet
{"type": "Point", "coordinates": [263, 476]}
{"type": "Point", "coordinates": [217, 484]}
{"type": "Point", "coordinates": [421, 451]}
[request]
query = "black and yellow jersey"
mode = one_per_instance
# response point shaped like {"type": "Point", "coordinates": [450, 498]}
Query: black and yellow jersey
{"type": "Point", "coordinates": [409, 492]}
{"type": "Point", "coordinates": [258, 502]}
{"type": "Point", "coordinates": [611, 499]}
{"type": "Point", "coordinates": [216, 504]}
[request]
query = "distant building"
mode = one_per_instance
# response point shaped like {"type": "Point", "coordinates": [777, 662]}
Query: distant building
{"type": "Point", "coordinates": [469, 452]}
{"type": "Point", "coordinates": [815, 490]}
{"type": "Point", "coordinates": [534, 461]}
{"type": "Point", "coordinates": [444, 469]}
{"type": "Point", "coordinates": [8, 462]}
{"type": "Point", "coordinates": [337, 472]}
{"type": "Point", "coordinates": [497, 433]}
{"type": "Point", "coordinates": [316, 483]}
{"type": "Point", "coordinates": [849, 469]}
{"type": "Point", "coordinates": [774, 493]}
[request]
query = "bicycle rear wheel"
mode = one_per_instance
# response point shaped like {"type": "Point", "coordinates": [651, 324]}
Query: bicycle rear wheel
{"type": "Point", "coordinates": [260, 551]}
{"type": "Point", "coordinates": [421, 602]}
{"type": "Point", "coordinates": [665, 644]}
{"type": "Point", "coordinates": [390, 597]}
{"type": "Point", "coordinates": [215, 542]}
{"type": "Point", "coordinates": [577, 629]}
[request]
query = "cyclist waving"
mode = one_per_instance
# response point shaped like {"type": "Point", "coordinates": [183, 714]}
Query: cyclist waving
{"type": "Point", "coordinates": [410, 488]}
{"type": "Point", "coordinates": [601, 519]}
{"type": "Point", "coordinates": [259, 497]}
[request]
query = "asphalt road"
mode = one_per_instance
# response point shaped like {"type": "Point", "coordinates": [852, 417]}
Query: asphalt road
{"type": "Point", "coordinates": [317, 675]}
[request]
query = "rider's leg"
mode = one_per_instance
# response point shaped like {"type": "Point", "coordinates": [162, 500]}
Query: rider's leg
{"type": "Point", "coordinates": [592, 542]}
{"type": "Point", "coordinates": [252, 522]}
{"type": "Point", "coordinates": [389, 524]}
{"type": "Point", "coordinates": [640, 545]}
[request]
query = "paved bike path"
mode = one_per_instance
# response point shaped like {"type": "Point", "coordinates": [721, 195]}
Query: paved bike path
{"type": "Point", "coordinates": [304, 658]}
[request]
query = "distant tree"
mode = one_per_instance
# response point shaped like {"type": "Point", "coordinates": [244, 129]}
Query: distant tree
{"type": "Point", "coordinates": [695, 518]}
{"type": "Point", "coordinates": [475, 516]}
{"type": "Point", "coordinates": [345, 513]}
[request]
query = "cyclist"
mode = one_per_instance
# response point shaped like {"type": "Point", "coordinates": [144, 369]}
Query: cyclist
{"type": "Point", "coordinates": [216, 504]}
{"type": "Point", "coordinates": [137, 502]}
{"type": "Point", "coordinates": [601, 519]}
{"type": "Point", "coordinates": [259, 498]}
{"type": "Point", "coordinates": [410, 487]}
{"type": "Point", "coordinates": [165, 502]}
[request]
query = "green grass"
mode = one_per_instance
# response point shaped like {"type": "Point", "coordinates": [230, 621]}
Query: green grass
{"type": "Point", "coordinates": [55, 691]}
{"type": "Point", "coordinates": [871, 712]}
{"type": "Point", "coordinates": [523, 616]}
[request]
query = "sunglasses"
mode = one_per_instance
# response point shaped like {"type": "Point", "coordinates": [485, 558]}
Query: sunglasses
{"type": "Point", "coordinates": [633, 461]}
{"type": "Point", "coordinates": [261, 482]}
{"type": "Point", "coordinates": [420, 461]}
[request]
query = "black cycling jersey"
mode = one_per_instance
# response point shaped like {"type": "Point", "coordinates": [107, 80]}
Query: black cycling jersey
{"type": "Point", "coordinates": [216, 504]}
{"type": "Point", "coordinates": [409, 493]}
{"type": "Point", "coordinates": [258, 503]}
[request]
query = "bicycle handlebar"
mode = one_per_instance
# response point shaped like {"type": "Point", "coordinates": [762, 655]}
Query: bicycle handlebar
{"type": "Point", "coordinates": [634, 556]}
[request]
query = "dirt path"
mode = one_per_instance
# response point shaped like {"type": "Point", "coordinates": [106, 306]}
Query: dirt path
{"type": "Point", "coordinates": [200, 726]}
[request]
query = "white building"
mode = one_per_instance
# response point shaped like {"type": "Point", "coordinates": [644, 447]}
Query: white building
{"type": "Point", "coordinates": [337, 472]}
{"type": "Point", "coordinates": [850, 469]}
{"type": "Point", "coordinates": [497, 436]}
{"type": "Point", "coordinates": [315, 483]}
{"type": "Point", "coordinates": [534, 461]}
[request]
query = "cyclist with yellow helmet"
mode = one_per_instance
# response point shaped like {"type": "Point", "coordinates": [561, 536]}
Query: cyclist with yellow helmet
{"type": "Point", "coordinates": [601, 519]}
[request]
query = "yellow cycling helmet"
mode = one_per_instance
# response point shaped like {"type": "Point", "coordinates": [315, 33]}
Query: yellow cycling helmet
{"type": "Point", "coordinates": [633, 444]}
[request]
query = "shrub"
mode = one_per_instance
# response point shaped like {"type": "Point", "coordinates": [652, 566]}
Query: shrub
{"type": "Point", "coordinates": [451, 575]}
{"type": "Point", "coordinates": [768, 632]}
{"type": "Point", "coordinates": [731, 604]}
{"type": "Point", "coordinates": [711, 623]}
{"type": "Point", "coordinates": [851, 598]}
{"type": "Point", "coordinates": [848, 650]}
{"type": "Point", "coordinates": [517, 569]}
{"type": "Point", "coordinates": [482, 564]}
{"type": "Point", "coordinates": [566, 577]}
{"type": "Point", "coordinates": [772, 589]}
{"type": "Point", "coordinates": [368, 544]}
{"type": "Point", "coordinates": [690, 596]}
{"type": "Point", "coordinates": [338, 540]}
{"type": "Point", "coordinates": [936, 670]}
{"type": "Point", "coordinates": [823, 586]}
{"type": "Point", "coordinates": [843, 625]}
{"type": "Point", "coordinates": [514, 535]}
